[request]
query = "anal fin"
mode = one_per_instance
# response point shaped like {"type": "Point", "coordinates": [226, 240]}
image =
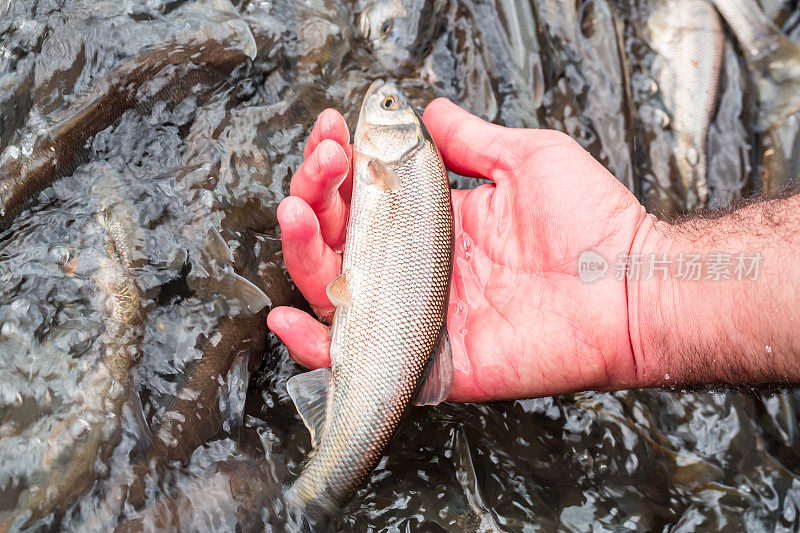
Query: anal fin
{"type": "Point", "coordinates": [439, 380]}
{"type": "Point", "coordinates": [309, 392]}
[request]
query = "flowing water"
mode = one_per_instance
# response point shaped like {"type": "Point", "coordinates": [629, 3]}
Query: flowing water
{"type": "Point", "coordinates": [125, 250]}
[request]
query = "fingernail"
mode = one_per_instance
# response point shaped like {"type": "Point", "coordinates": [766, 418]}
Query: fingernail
{"type": "Point", "coordinates": [323, 117]}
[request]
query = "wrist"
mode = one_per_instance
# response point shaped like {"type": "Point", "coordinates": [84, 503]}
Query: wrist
{"type": "Point", "coordinates": [646, 342]}
{"type": "Point", "coordinates": [712, 328]}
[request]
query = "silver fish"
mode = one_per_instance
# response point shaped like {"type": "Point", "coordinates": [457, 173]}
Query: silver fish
{"type": "Point", "coordinates": [401, 32]}
{"type": "Point", "coordinates": [774, 61]}
{"type": "Point", "coordinates": [138, 83]}
{"type": "Point", "coordinates": [688, 36]}
{"type": "Point", "coordinates": [389, 332]}
{"type": "Point", "coordinates": [92, 429]}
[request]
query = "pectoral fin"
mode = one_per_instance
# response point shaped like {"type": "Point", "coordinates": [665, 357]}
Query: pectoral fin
{"type": "Point", "coordinates": [249, 297]}
{"type": "Point", "coordinates": [382, 176]}
{"type": "Point", "coordinates": [218, 248]}
{"type": "Point", "coordinates": [225, 281]}
{"type": "Point", "coordinates": [75, 120]}
{"type": "Point", "coordinates": [144, 436]}
{"type": "Point", "coordinates": [309, 392]}
{"type": "Point", "coordinates": [439, 381]}
{"type": "Point", "coordinates": [337, 291]}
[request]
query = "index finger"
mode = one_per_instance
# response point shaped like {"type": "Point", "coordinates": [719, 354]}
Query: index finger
{"type": "Point", "coordinates": [330, 125]}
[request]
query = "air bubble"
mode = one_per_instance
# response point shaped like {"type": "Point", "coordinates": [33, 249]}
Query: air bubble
{"type": "Point", "coordinates": [65, 257]}
{"type": "Point", "coordinates": [7, 329]}
{"type": "Point", "coordinates": [467, 242]}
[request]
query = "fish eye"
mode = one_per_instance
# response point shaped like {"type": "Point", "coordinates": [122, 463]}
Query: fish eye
{"type": "Point", "coordinates": [386, 27]}
{"type": "Point", "coordinates": [391, 103]}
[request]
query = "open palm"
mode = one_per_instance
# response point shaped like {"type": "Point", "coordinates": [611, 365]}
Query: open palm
{"type": "Point", "coordinates": [521, 322]}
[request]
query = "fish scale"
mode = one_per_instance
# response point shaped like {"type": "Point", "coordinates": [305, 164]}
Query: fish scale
{"type": "Point", "coordinates": [397, 262]}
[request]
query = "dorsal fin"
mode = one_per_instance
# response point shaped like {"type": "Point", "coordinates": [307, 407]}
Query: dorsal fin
{"type": "Point", "coordinates": [250, 297]}
{"type": "Point", "coordinates": [309, 392]}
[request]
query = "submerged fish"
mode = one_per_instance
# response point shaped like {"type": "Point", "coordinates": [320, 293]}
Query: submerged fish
{"type": "Point", "coordinates": [389, 331]}
{"type": "Point", "coordinates": [93, 427]}
{"type": "Point", "coordinates": [235, 494]}
{"type": "Point", "coordinates": [401, 32]}
{"type": "Point", "coordinates": [774, 61]}
{"type": "Point", "coordinates": [169, 73]}
{"type": "Point", "coordinates": [690, 42]}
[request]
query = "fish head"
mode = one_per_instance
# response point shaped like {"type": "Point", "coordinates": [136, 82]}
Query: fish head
{"type": "Point", "coordinates": [388, 126]}
{"type": "Point", "coordinates": [400, 32]}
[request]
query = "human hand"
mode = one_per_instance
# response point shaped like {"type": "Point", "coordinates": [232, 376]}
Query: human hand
{"type": "Point", "coordinates": [521, 322]}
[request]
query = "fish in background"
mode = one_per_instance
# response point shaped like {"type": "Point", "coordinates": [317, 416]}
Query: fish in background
{"type": "Point", "coordinates": [774, 61]}
{"type": "Point", "coordinates": [92, 428]}
{"type": "Point", "coordinates": [509, 34]}
{"type": "Point", "coordinates": [209, 389]}
{"type": "Point", "coordinates": [389, 344]}
{"type": "Point", "coordinates": [689, 40]}
{"type": "Point", "coordinates": [168, 73]}
{"type": "Point", "coordinates": [588, 81]}
{"type": "Point", "coordinates": [234, 495]}
{"type": "Point", "coordinates": [323, 37]}
{"type": "Point", "coordinates": [400, 32]}
{"type": "Point", "coordinates": [778, 11]}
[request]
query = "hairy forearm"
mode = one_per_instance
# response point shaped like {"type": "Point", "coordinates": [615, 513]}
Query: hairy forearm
{"type": "Point", "coordinates": [740, 322]}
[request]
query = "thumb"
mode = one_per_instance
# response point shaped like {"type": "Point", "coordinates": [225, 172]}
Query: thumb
{"type": "Point", "coordinates": [473, 147]}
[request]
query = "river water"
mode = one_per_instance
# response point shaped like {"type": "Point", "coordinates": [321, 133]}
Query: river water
{"type": "Point", "coordinates": [126, 250]}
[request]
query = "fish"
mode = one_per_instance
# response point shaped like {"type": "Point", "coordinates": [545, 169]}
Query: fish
{"type": "Point", "coordinates": [194, 415]}
{"type": "Point", "coordinates": [401, 32]}
{"type": "Point", "coordinates": [199, 408]}
{"type": "Point", "coordinates": [689, 39]}
{"type": "Point", "coordinates": [589, 82]}
{"type": "Point", "coordinates": [774, 61]}
{"type": "Point", "coordinates": [778, 11]}
{"type": "Point", "coordinates": [93, 428]}
{"type": "Point", "coordinates": [166, 73]}
{"type": "Point", "coordinates": [732, 167]}
{"type": "Point", "coordinates": [195, 412]}
{"type": "Point", "coordinates": [235, 491]}
{"type": "Point", "coordinates": [389, 343]}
